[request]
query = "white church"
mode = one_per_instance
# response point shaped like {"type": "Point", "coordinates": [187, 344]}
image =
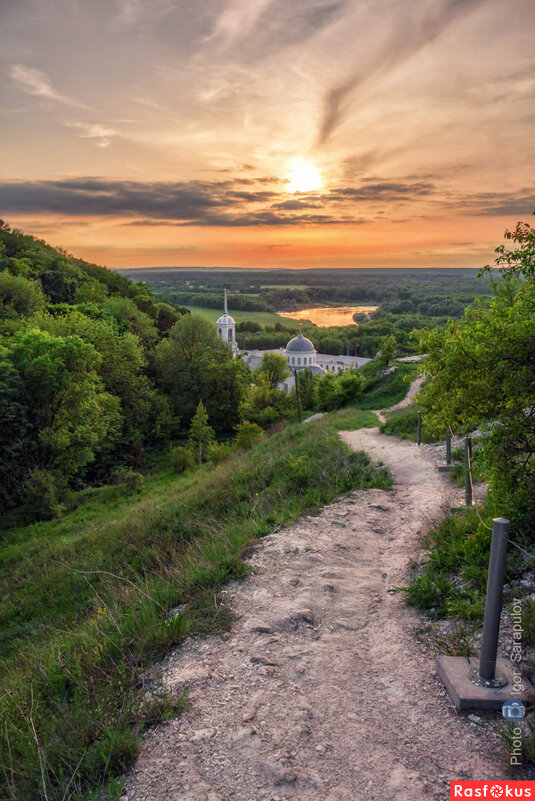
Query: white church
{"type": "Point", "coordinates": [299, 351]}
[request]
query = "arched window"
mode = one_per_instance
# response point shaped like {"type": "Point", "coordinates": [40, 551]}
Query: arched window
{"type": "Point", "coordinates": [219, 332]}
{"type": "Point", "coordinates": [230, 334]}
{"type": "Point", "coordinates": [293, 359]}
{"type": "Point", "coordinates": [305, 361]}
{"type": "Point", "coordinates": [298, 360]}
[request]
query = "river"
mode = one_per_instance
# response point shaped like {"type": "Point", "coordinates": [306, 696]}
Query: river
{"type": "Point", "coordinates": [326, 316]}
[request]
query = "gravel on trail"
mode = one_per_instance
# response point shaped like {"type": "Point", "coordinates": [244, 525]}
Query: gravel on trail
{"type": "Point", "coordinates": [320, 692]}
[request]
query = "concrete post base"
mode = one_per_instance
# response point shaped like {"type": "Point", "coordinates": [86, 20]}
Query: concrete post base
{"type": "Point", "coordinates": [453, 672]}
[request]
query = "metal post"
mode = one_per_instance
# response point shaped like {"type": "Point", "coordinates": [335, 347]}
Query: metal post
{"type": "Point", "coordinates": [493, 606]}
{"type": "Point", "coordinates": [419, 428]}
{"type": "Point", "coordinates": [448, 447]}
{"type": "Point", "coordinates": [467, 476]}
{"type": "Point", "coordinates": [297, 397]}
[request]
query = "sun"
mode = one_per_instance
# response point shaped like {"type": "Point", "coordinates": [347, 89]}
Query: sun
{"type": "Point", "coordinates": [303, 176]}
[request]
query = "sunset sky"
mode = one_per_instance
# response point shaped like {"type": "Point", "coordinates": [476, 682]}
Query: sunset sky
{"type": "Point", "coordinates": [259, 133]}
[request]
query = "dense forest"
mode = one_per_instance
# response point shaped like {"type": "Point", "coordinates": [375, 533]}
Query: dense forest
{"type": "Point", "coordinates": [99, 378]}
{"type": "Point", "coordinates": [95, 374]}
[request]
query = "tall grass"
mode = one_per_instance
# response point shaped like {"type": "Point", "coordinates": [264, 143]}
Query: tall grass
{"type": "Point", "coordinates": [385, 387]}
{"type": "Point", "coordinates": [90, 602]}
{"type": "Point", "coordinates": [403, 423]}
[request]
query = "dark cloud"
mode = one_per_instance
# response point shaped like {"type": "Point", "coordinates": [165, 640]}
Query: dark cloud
{"type": "Point", "coordinates": [409, 36]}
{"type": "Point", "coordinates": [268, 218]}
{"type": "Point", "coordinates": [260, 218]}
{"type": "Point", "coordinates": [91, 196]}
{"type": "Point", "coordinates": [225, 203]}
{"type": "Point", "coordinates": [200, 203]}
{"type": "Point", "coordinates": [498, 204]}
{"type": "Point", "coordinates": [251, 197]}
{"type": "Point", "coordinates": [386, 191]}
{"type": "Point", "coordinates": [296, 205]}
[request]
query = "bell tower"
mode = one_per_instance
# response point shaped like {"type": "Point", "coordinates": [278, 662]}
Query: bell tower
{"type": "Point", "coordinates": [226, 328]}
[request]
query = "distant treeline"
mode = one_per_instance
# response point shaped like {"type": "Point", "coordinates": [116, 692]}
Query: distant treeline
{"type": "Point", "coordinates": [437, 292]}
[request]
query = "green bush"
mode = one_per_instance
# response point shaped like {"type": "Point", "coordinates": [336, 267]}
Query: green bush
{"type": "Point", "coordinates": [181, 458]}
{"type": "Point", "coordinates": [247, 434]}
{"type": "Point", "coordinates": [218, 452]}
{"type": "Point", "coordinates": [42, 495]}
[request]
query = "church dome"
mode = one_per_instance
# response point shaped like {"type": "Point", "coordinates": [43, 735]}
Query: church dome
{"type": "Point", "coordinates": [225, 319]}
{"type": "Point", "coordinates": [300, 344]}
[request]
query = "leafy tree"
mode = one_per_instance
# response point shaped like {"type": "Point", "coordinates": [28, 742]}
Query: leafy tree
{"type": "Point", "coordinates": [327, 393]}
{"type": "Point", "coordinates": [192, 364]}
{"type": "Point", "coordinates": [265, 406]}
{"type": "Point", "coordinates": [482, 373]}
{"type": "Point", "coordinates": [249, 326]}
{"type": "Point", "coordinates": [519, 262]}
{"type": "Point", "coordinates": [90, 292]}
{"type": "Point", "coordinates": [274, 367]}
{"type": "Point", "coordinates": [350, 385]}
{"type": "Point", "coordinates": [168, 316]}
{"type": "Point", "coordinates": [130, 318]}
{"type": "Point", "coordinates": [121, 369]}
{"type": "Point", "coordinates": [65, 412]}
{"type": "Point", "coordinates": [201, 435]}
{"type": "Point", "coordinates": [388, 349]}
{"type": "Point", "coordinates": [19, 296]}
{"type": "Point", "coordinates": [307, 381]}
{"type": "Point", "coordinates": [16, 445]}
{"type": "Point", "coordinates": [147, 305]}
{"type": "Point", "coordinates": [60, 280]}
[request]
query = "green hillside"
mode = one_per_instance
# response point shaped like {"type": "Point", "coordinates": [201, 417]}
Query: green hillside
{"type": "Point", "coordinates": [88, 599]}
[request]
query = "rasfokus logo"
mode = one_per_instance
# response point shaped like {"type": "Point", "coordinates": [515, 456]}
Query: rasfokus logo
{"type": "Point", "coordinates": [490, 790]}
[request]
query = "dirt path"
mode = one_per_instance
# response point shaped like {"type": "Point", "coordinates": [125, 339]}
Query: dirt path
{"type": "Point", "coordinates": [407, 400]}
{"type": "Point", "coordinates": [319, 692]}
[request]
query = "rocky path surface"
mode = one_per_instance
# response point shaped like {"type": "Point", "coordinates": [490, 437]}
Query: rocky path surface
{"type": "Point", "coordinates": [320, 692]}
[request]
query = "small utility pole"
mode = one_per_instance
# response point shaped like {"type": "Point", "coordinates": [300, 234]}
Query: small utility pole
{"type": "Point", "coordinates": [297, 397]}
{"type": "Point", "coordinates": [448, 447]}
{"type": "Point", "coordinates": [467, 471]}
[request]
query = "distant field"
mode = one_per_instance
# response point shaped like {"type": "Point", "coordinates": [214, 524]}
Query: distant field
{"type": "Point", "coordinates": [284, 286]}
{"type": "Point", "coordinates": [262, 318]}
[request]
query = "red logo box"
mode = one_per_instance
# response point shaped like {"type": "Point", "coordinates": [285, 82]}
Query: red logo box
{"type": "Point", "coordinates": [492, 790]}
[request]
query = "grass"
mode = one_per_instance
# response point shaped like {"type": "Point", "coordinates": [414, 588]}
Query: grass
{"type": "Point", "coordinates": [452, 580]}
{"type": "Point", "coordinates": [403, 423]}
{"type": "Point", "coordinates": [384, 389]}
{"type": "Point", "coordinates": [351, 418]}
{"type": "Point", "coordinates": [86, 603]}
{"type": "Point", "coordinates": [262, 318]}
{"type": "Point", "coordinates": [455, 642]}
